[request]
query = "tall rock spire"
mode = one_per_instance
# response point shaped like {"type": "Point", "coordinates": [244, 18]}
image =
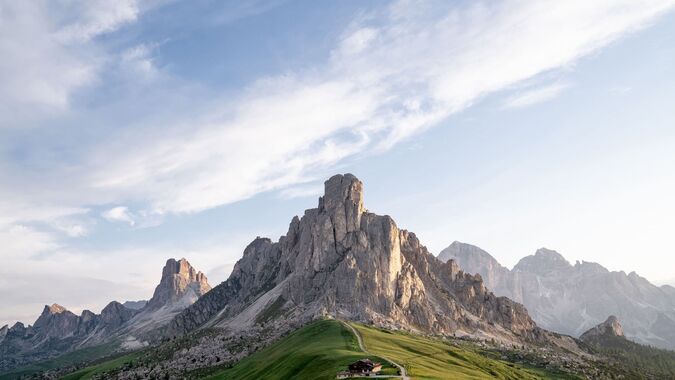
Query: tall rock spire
{"type": "Point", "coordinates": [180, 282]}
{"type": "Point", "coordinates": [343, 201]}
{"type": "Point", "coordinates": [340, 260]}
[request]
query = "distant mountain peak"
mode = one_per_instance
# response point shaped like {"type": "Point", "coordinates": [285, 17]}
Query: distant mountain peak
{"type": "Point", "coordinates": [543, 261]}
{"type": "Point", "coordinates": [50, 312]}
{"type": "Point", "coordinates": [464, 251]}
{"type": "Point", "coordinates": [610, 327]}
{"type": "Point", "coordinates": [179, 280]}
{"type": "Point", "coordinates": [570, 299]}
{"type": "Point", "coordinates": [54, 309]}
{"type": "Point", "coordinates": [550, 254]}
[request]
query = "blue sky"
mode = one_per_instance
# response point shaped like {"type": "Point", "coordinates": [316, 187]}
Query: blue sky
{"type": "Point", "coordinates": [134, 131]}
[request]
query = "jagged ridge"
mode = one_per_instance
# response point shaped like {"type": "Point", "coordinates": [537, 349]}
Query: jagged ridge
{"type": "Point", "coordinates": [340, 260]}
{"type": "Point", "coordinates": [573, 298]}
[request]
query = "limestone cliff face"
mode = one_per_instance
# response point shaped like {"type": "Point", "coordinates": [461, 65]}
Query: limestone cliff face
{"type": "Point", "coordinates": [179, 280]}
{"type": "Point", "coordinates": [340, 260]}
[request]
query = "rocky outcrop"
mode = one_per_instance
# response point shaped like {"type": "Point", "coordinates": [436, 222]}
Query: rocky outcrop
{"type": "Point", "coordinates": [180, 283]}
{"type": "Point", "coordinates": [115, 315]}
{"type": "Point", "coordinates": [342, 261]}
{"type": "Point", "coordinates": [56, 322]}
{"type": "Point", "coordinates": [610, 327]}
{"type": "Point", "coordinates": [570, 299]}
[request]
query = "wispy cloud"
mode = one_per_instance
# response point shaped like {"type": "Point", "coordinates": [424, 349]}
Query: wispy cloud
{"type": "Point", "coordinates": [119, 214]}
{"type": "Point", "coordinates": [392, 75]}
{"type": "Point", "coordinates": [534, 96]}
{"type": "Point", "coordinates": [307, 190]}
{"type": "Point", "coordinates": [48, 54]}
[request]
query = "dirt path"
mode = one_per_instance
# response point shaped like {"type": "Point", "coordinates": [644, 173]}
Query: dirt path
{"type": "Point", "coordinates": [362, 346]}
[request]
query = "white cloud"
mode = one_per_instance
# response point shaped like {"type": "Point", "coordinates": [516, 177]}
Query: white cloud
{"type": "Point", "coordinates": [138, 61]}
{"type": "Point", "coordinates": [397, 74]}
{"type": "Point", "coordinates": [119, 214]}
{"type": "Point", "coordinates": [96, 17]}
{"type": "Point", "coordinates": [47, 55]}
{"type": "Point", "coordinates": [357, 41]}
{"type": "Point", "coordinates": [307, 190]}
{"type": "Point", "coordinates": [535, 95]}
{"type": "Point", "coordinates": [22, 240]}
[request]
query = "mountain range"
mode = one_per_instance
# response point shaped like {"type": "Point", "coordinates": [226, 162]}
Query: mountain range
{"type": "Point", "coordinates": [58, 330]}
{"type": "Point", "coordinates": [570, 299]}
{"type": "Point", "coordinates": [340, 262]}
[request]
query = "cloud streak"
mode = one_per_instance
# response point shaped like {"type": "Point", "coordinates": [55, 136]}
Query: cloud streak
{"type": "Point", "coordinates": [48, 54]}
{"type": "Point", "coordinates": [535, 95]}
{"type": "Point", "coordinates": [393, 74]}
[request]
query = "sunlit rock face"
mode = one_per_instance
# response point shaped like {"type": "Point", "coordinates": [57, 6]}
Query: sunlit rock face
{"type": "Point", "coordinates": [342, 261]}
{"type": "Point", "coordinates": [179, 280]}
{"type": "Point", "coordinates": [571, 299]}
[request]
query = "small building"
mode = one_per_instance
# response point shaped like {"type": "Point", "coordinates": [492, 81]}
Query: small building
{"type": "Point", "coordinates": [362, 367]}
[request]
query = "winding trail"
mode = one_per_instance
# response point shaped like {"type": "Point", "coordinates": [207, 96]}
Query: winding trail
{"type": "Point", "coordinates": [362, 346]}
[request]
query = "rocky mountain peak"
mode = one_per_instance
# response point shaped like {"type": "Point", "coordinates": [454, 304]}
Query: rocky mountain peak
{"type": "Point", "coordinates": [49, 312]}
{"type": "Point", "coordinates": [342, 190]}
{"type": "Point", "coordinates": [17, 327]}
{"type": "Point", "coordinates": [463, 252]}
{"type": "Point", "coordinates": [608, 328]}
{"type": "Point", "coordinates": [56, 321]}
{"type": "Point", "coordinates": [115, 314]}
{"type": "Point", "coordinates": [343, 202]}
{"type": "Point", "coordinates": [341, 260]}
{"type": "Point", "coordinates": [54, 309]}
{"type": "Point", "coordinates": [543, 261]}
{"type": "Point", "coordinates": [179, 280]}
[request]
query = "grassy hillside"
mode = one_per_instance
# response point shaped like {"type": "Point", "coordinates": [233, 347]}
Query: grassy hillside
{"type": "Point", "coordinates": [316, 351]}
{"type": "Point", "coordinates": [321, 349]}
{"type": "Point", "coordinates": [426, 358]}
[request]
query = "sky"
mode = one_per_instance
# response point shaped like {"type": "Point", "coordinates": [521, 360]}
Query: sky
{"type": "Point", "coordinates": [133, 131]}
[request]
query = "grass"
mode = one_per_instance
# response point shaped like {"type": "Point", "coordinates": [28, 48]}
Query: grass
{"type": "Point", "coordinates": [427, 358]}
{"type": "Point", "coordinates": [322, 348]}
{"type": "Point", "coordinates": [88, 372]}
{"type": "Point", "coordinates": [316, 351]}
